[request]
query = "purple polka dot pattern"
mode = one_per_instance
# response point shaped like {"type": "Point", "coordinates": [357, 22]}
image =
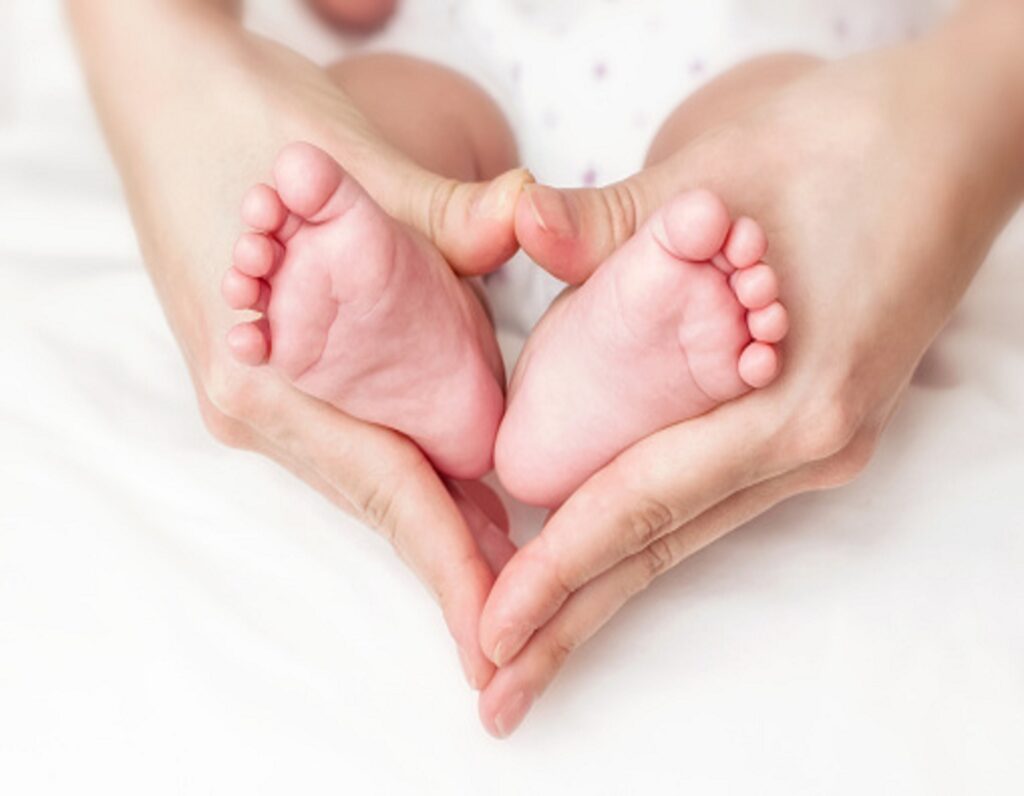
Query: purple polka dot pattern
{"type": "Point", "coordinates": [847, 26]}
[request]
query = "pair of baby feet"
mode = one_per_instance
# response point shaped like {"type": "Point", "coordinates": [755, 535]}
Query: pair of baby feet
{"type": "Point", "coordinates": [362, 312]}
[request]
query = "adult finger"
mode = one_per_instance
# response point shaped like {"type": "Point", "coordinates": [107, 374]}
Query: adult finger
{"type": "Point", "coordinates": [514, 688]}
{"type": "Point", "coordinates": [652, 488]}
{"type": "Point", "coordinates": [471, 223]}
{"type": "Point", "coordinates": [392, 487]}
{"type": "Point", "coordinates": [571, 232]}
{"type": "Point", "coordinates": [487, 521]}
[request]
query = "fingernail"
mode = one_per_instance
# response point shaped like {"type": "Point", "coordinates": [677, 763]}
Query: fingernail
{"type": "Point", "coordinates": [508, 645]}
{"type": "Point", "coordinates": [551, 211]}
{"type": "Point", "coordinates": [512, 714]}
{"type": "Point", "coordinates": [467, 669]}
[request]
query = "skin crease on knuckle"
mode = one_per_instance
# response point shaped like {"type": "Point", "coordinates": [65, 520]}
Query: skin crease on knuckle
{"type": "Point", "coordinates": [622, 207]}
{"type": "Point", "coordinates": [375, 506]}
{"type": "Point", "coordinates": [558, 648]}
{"type": "Point", "coordinates": [437, 207]}
{"type": "Point", "coordinates": [649, 520]}
{"type": "Point", "coordinates": [377, 499]}
{"type": "Point", "coordinates": [636, 503]}
{"type": "Point", "coordinates": [655, 560]}
{"type": "Point", "coordinates": [646, 520]}
{"type": "Point", "coordinates": [382, 501]}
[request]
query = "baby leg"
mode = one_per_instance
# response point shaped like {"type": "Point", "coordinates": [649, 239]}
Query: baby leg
{"type": "Point", "coordinates": [729, 95]}
{"type": "Point", "coordinates": [439, 118]}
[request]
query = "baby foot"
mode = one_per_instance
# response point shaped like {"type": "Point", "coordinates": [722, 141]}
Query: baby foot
{"type": "Point", "coordinates": [678, 320]}
{"type": "Point", "coordinates": [363, 313]}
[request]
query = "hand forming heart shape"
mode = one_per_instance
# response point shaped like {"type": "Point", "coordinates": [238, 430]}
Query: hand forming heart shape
{"type": "Point", "coordinates": [880, 181]}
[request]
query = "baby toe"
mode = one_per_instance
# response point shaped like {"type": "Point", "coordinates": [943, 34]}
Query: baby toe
{"type": "Point", "coordinates": [241, 292]}
{"type": "Point", "coordinates": [769, 324]}
{"type": "Point", "coordinates": [249, 343]}
{"type": "Point", "coordinates": [306, 178]}
{"type": "Point", "coordinates": [255, 255]}
{"type": "Point", "coordinates": [755, 287]}
{"type": "Point", "coordinates": [746, 244]}
{"type": "Point", "coordinates": [693, 226]}
{"type": "Point", "coordinates": [758, 365]}
{"type": "Point", "coordinates": [262, 209]}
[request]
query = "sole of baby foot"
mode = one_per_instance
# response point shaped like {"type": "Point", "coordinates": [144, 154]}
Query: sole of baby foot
{"type": "Point", "coordinates": [681, 318]}
{"type": "Point", "coordinates": [364, 313]}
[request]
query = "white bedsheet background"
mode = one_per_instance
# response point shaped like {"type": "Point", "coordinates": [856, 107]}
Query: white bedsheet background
{"type": "Point", "coordinates": [180, 618]}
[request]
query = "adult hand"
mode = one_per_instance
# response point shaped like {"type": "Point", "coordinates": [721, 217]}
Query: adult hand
{"type": "Point", "coordinates": [196, 110]}
{"type": "Point", "coordinates": [882, 182]}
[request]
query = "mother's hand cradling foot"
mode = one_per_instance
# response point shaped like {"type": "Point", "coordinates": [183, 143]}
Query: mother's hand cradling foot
{"type": "Point", "coordinates": [881, 182]}
{"type": "Point", "coordinates": [190, 135]}
{"type": "Point", "coordinates": [454, 536]}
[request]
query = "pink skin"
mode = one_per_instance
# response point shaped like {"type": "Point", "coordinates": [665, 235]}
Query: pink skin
{"type": "Point", "coordinates": [681, 318]}
{"type": "Point", "coordinates": [360, 16]}
{"type": "Point", "coordinates": [363, 313]}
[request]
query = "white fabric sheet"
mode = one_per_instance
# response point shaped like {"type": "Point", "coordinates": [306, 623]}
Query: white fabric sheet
{"type": "Point", "coordinates": [176, 617]}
